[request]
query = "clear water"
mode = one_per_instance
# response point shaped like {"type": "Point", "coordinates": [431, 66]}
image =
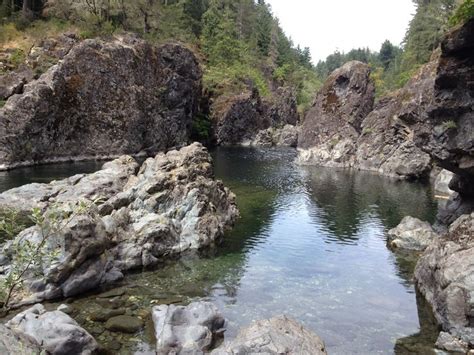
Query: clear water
{"type": "Point", "coordinates": [311, 243]}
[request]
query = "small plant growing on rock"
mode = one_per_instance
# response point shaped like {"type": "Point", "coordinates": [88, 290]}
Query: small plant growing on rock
{"type": "Point", "coordinates": [449, 125]}
{"type": "Point", "coordinates": [28, 256]}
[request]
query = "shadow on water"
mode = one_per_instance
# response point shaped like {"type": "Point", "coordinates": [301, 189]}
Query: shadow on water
{"type": "Point", "coordinates": [310, 243]}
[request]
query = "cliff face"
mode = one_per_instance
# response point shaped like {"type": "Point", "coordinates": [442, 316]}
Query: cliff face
{"type": "Point", "coordinates": [103, 99]}
{"type": "Point", "coordinates": [431, 118]}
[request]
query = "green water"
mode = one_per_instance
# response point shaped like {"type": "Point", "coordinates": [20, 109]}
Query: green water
{"type": "Point", "coordinates": [311, 243]}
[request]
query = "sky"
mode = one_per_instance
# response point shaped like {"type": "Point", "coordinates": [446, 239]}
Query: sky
{"type": "Point", "coordinates": [328, 25]}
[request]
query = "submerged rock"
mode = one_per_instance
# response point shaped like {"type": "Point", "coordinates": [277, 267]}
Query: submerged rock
{"type": "Point", "coordinates": [55, 332]}
{"type": "Point", "coordinates": [104, 99]}
{"type": "Point", "coordinates": [124, 324]}
{"type": "Point", "coordinates": [412, 234]}
{"type": "Point", "coordinates": [171, 205]}
{"type": "Point", "coordinates": [279, 335]}
{"type": "Point", "coordinates": [187, 329]}
{"type": "Point", "coordinates": [444, 275]}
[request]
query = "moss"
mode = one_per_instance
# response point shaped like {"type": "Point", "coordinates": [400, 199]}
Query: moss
{"type": "Point", "coordinates": [2, 103]}
{"type": "Point", "coordinates": [448, 125]}
{"type": "Point", "coordinates": [367, 130]}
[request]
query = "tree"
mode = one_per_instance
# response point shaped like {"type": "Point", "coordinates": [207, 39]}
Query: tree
{"type": "Point", "coordinates": [387, 53]}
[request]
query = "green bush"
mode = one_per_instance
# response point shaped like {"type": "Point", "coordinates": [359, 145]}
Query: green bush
{"type": "Point", "coordinates": [464, 13]}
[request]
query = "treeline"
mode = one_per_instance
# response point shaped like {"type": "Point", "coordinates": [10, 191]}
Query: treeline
{"type": "Point", "coordinates": [393, 65]}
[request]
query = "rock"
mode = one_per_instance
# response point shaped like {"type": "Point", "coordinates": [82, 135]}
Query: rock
{"type": "Point", "coordinates": [412, 234]}
{"type": "Point", "coordinates": [12, 83]}
{"type": "Point", "coordinates": [336, 116]}
{"type": "Point", "coordinates": [171, 205]}
{"type": "Point", "coordinates": [186, 329]}
{"type": "Point", "coordinates": [239, 118]}
{"type": "Point", "coordinates": [280, 137]}
{"type": "Point", "coordinates": [104, 99]}
{"type": "Point", "coordinates": [104, 314]}
{"type": "Point", "coordinates": [444, 275]}
{"type": "Point", "coordinates": [441, 184]}
{"type": "Point", "coordinates": [124, 324]}
{"type": "Point", "coordinates": [283, 109]}
{"type": "Point", "coordinates": [343, 129]}
{"type": "Point", "coordinates": [449, 343]}
{"type": "Point", "coordinates": [15, 344]}
{"type": "Point", "coordinates": [55, 331]}
{"type": "Point", "coordinates": [279, 335]}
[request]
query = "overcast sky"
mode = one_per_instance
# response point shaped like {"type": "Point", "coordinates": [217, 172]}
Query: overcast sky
{"type": "Point", "coordinates": [327, 25]}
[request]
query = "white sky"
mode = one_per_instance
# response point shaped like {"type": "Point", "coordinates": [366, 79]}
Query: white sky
{"type": "Point", "coordinates": [327, 25]}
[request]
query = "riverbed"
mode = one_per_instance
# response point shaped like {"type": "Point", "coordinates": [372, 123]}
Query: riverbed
{"type": "Point", "coordinates": [310, 243]}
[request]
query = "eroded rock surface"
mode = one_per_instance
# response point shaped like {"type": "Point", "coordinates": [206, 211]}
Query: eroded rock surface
{"type": "Point", "coordinates": [12, 343]}
{"type": "Point", "coordinates": [240, 118]}
{"type": "Point", "coordinates": [279, 335]}
{"type": "Point", "coordinates": [412, 234]}
{"type": "Point", "coordinates": [445, 276]}
{"type": "Point", "coordinates": [171, 205]}
{"type": "Point", "coordinates": [190, 329]}
{"type": "Point", "coordinates": [104, 99]}
{"type": "Point", "coordinates": [276, 137]}
{"type": "Point", "coordinates": [55, 331]}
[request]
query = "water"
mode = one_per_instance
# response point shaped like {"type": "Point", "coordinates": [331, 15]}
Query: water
{"type": "Point", "coordinates": [311, 243]}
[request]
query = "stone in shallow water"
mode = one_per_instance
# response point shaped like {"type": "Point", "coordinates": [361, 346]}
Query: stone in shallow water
{"type": "Point", "coordinates": [124, 324]}
{"type": "Point", "coordinates": [187, 329]}
{"type": "Point", "coordinates": [279, 335]}
{"type": "Point", "coordinates": [412, 234]}
{"type": "Point", "coordinates": [104, 315]}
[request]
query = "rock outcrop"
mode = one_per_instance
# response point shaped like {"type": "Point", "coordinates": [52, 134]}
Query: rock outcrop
{"type": "Point", "coordinates": [188, 329]}
{"type": "Point", "coordinates": [412, 234]}
{"type": "Point", "coordinates": [239, 119]}
{"type": "Point", "coordinates": [172, 204]}
{"type": "Point", "coordinates": [55, 332]}
{"type": "Point", "coordinates": [344, 130]}
{"type": "Point", "coordinates": [444, 275]}
{"type": "Point", "coordinates": [104, 99]}
{"type": "Point", "coordinates": [279, 335]}
{"type": "Point", "coordinates": [276, 137]}
{"type": "Point", "coordinates": [441, 183]}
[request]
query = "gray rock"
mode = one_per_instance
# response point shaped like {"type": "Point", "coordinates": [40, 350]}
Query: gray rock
{"type": "Point", "coordinates": [55, 331]}
{"type": "Point", "coordinates": [124, 324]}
{"type": "Point", "coordinates": [16, 344]}
{"type": "Point", "coordinates": [279, 335]}
{"type": "Point", "coordinates": [104, 314]}
{"type": "Point", "coordinates": [103, 100]}
{"type": "Point", "coordinates": [279, 137]}
{"type": "Point", "coordinates": [444, 275]}
{"type": "Point", "coordinates": [239, 118]}
{"type": "Point", "coordinates": [449, 343]}
{"type": "Point", "coordinates": [412, 234]}
{"type": "Point", "coordinates": [441, 184]}
{"type": "Point", "coordinates": [170, 206]}
{"type": "Point", "coordinates": [188, 329]}
{"type": "Point", "coordinates": [12, 83]}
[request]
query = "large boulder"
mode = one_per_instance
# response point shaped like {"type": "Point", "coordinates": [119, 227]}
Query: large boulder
{"type": "Point", "coordinates": [279, 335]}
{"type": "Point", "coordinates": [412, 234]}
{"type": "Point", "coordinates": [170, 206]}
{"type": "Point", "coordinates": [445, 276]}
{"type": "Point", "coordinates": [104, 99]}
{"type": "Point", "coordinates": [238, 119]}
{"type": "Point", "coordinates": [190, 329]}
{"type": "Point", "coordinates": [331, 127]}
{"type": "Point", "coordinates": [55, 331]}
{"type": "Point", "coordinates": [286, 136]}
{"type": "Point", "coordinates": [442, 181]}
